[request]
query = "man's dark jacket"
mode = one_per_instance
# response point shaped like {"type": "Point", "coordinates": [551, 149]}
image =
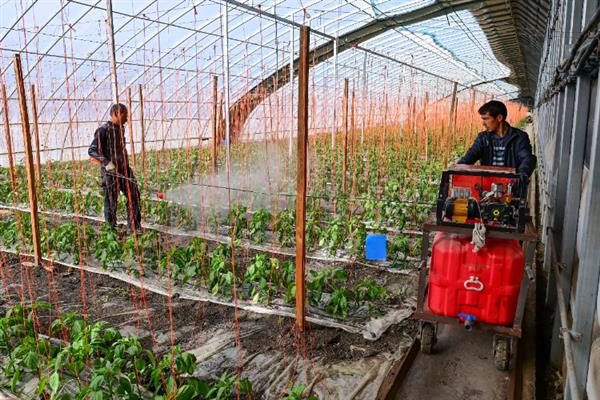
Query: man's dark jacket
{"type": "Point", "coordinates": [518, 153]}
{"type": "Point", "coordinates": [109, 145]}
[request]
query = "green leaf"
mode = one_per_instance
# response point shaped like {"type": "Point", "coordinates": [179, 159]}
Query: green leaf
{"type": "Point", "coordinates": [41, 387]}
{"type": "Point", "coordinates": [54, 382]}
{"type": "Point", "coordinates": [31, 360]}
{"type": "Point", "coordinates": [15, 380]}
{"type": "Point", "coordinates": [245, 386]}
{"type": "Point", "coordinates": [125, 385]}
{"type": "Point", "coordinates": [185, 392]}
{"type": "Point", "coordinates": [97, 382]}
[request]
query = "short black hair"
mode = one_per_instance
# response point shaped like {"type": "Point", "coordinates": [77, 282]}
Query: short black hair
{"type": "Point", "coordinates": [494, 108]}
{"type": "Point", "coordinates": [118, 107]}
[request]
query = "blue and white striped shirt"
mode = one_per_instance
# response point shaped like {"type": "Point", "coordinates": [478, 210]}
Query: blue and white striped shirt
{"type": "Point", "coordinates": [499, 145]}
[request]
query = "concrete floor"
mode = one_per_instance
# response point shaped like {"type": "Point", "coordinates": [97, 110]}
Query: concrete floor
{"type": "Point", "coordinates": [461, 368]}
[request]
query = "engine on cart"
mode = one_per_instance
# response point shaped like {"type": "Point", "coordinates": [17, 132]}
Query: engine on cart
{"type": "Point", "coordinates": [493, 196]}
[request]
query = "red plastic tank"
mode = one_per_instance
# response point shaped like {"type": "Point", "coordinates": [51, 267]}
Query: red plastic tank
{"type": "Point", "coordinates": [484, 284]}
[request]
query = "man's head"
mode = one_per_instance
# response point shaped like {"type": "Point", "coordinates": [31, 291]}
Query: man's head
{"type": "Point", "coordinates": [493, 114]}
{"type": "Point", "coordinates": [118, 114]}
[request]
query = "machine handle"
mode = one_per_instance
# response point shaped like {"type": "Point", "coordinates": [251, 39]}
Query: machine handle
{"type": "Point", "coordinates": [473, 283]}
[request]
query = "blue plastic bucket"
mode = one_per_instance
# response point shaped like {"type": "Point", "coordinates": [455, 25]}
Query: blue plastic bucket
{"type": "Point", "coordinates": [376, 247]}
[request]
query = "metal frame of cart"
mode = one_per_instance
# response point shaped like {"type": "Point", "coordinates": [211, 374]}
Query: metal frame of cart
{"type": "Point", "coordinates": [505, 337]}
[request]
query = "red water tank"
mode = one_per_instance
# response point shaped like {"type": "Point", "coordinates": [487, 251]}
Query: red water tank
{"type": "Point", "coordinates": [484, 284]}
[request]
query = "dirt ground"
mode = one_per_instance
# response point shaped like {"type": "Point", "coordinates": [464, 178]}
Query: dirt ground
{"type": "Point", "coordinates": [152, 315]}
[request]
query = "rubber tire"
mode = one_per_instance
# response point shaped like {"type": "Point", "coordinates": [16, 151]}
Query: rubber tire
{"type": "Point", "coordinates": [427, 337]}
{"type": "Point", "coordinates": [502, 354]}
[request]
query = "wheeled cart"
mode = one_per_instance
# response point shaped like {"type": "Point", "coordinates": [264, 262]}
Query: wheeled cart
{"type": "Point", "coordinates": [505, 336]}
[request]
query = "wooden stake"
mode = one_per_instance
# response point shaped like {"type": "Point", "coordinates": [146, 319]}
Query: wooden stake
{"type": "Point", "coordinates": [35, 226]}
{"type": "Point", "coordinates": [352, 125]}
{"type": "Point", "coordinates": [353, 143]}
{"type": "Point", "coordinates": [110, 37]}
{"type": "Point", "coordinates": [130, 126]}
{"type": "Point", "coordinates": [345, 144]}
{"type": "Point", "coordinates": [11, 162]}
{"type": "Point", "coordinates": [221, 121]}
{"type": "Point", "coordinates": [451, 124]}
{"type": "Point", "coordinates": [215, 123]}
{"type": "Point", "coordinates": [36, 133]}
{"type": "Point", "coordinates": [301, 177]}
{"type": "Point", "coordinates": [142, 129]}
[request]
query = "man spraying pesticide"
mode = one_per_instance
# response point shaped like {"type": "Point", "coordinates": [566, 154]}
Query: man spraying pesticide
{"type": "Point", "coordinates": [500, 145]}
{"type": "Point", "coordinates": [109, 149]}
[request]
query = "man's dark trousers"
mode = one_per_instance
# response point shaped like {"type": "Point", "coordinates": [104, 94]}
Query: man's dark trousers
{"type": "Point", "coordinates": [113, 183]}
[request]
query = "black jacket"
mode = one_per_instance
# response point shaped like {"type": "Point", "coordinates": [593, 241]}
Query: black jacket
{"type": "Point", "coordinates": [518, 152]}
{"type": "Point", "coordinates": [109, 145]}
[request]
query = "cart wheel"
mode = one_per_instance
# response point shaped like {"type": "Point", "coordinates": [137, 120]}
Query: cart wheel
{"type": "Point", "coordinates": [502, 354]}
{"type": "Point", "coordinates": [427, 337]}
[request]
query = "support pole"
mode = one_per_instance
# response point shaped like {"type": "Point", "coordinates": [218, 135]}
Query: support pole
{"type": "Point", "coordinates": [301, 177]}
{"type": "Point", "coordinates": [353, 124]}
{"type": "Point", "coordinates": [142, 130]}
{"type": "Point", "coordinates": [11, 162]}
{"type": "Point", "coordinates": [215, 124]}
{"type": "Point", "coordinates": [110, 36]}
{"type": "Point", "coordinates": [35, 226]}
{"type": "Point", "coordinates": [364, 102]}
{"type": "Point", "coordinates": [345, 144]}
{"type": "Point", "coordinates": [335, 79]}
{"type": "Point", "coordinates": [130, 126]}
{"type": "Point", "coordinates": [291, 88]}
{"type": "Point", "coordinates": [36, 133]}
{"type": "Point", "coordinates": [225, 25]}
{"type": "Point", "coordinates": [451, 127]}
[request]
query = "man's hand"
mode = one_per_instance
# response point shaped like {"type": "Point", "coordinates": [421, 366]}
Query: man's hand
{"type": "Point", "coordinates": [110, 167]}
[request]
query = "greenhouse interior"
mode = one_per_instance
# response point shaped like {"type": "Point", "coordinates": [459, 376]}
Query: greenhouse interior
{"type": "Point", "coordinates": [300, 199]}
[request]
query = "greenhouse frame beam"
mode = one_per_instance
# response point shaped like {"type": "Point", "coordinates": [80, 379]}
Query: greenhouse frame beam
{"type": "Point", "coordinates": [205, 69]}
{"type": "Point", "coordinates": [78, 66]}
{"type": "Point", "coordinates": [146, 41]}
{"type": "Point", "coordinates": [244, 106]}
{"type": "Point", "coordinates": [21, 16]}
{"type": "Point", "coordinates": [47, 51]}
{"type": "Point", "coordinates": [101, 46]}
{"type": "Point", "coordinates": [214, 61]}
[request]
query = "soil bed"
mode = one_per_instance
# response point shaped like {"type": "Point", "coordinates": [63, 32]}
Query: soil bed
{"type": "Point", "coordinates": [196, 324]}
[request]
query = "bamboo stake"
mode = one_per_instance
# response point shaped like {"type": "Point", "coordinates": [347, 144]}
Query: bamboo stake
{"type": "Point", "coordinates": [35, 226]}
{"type": "Point", "coordinates": [130, 128]}
{"type": "Point", "coordinates": [110, 34]}
{"type": "Point", "coordinates": [215, 123]}
{"type": "Point", "coordinates": [142, 129]}
{"type": "Point", "coordinates": [451, 124]}
{"type": "Point", "coordinates": [352, 125]}
{"type": "Point", "coordinates": [9, 150]}
{"type": "Point", "coordinates": [345, 159]}
{"type": "Point", "coordinates": [36, 132]}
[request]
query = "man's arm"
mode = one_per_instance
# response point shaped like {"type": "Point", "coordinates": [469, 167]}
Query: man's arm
{"type": "Point", "coordinates": [474, 154]}
{"type": "Point", "coordinates": [95, 150]}
{"type": "Point", "coordinates": [527, 161]}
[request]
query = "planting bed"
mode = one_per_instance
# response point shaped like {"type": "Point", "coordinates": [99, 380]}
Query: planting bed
{"type": "Point", "coordinates": [267, 352]}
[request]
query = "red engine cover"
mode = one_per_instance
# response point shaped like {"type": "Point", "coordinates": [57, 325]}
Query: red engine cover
{"type": "Point", "coordinates": [485, 182]}
{"type": "Point", "coordinates": [484, 284]}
